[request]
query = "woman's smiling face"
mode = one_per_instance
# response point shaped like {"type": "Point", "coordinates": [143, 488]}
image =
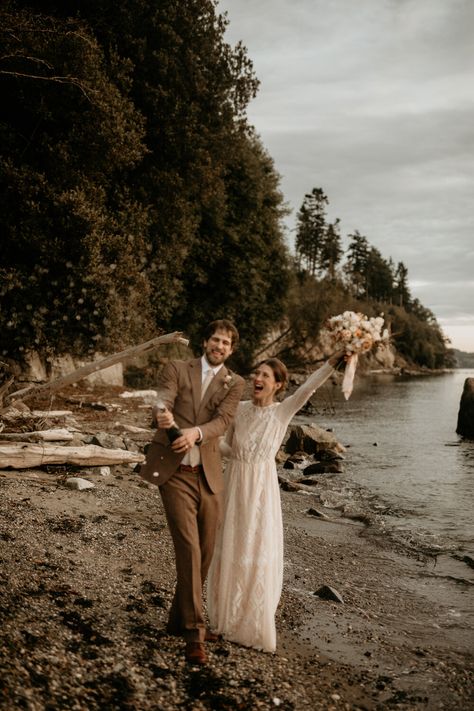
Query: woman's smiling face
{"type": "Point", "coordinates": [264, 386]}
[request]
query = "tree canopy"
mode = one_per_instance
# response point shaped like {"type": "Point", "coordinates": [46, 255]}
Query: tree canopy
{"type": "Point", "coordinates": [134, 188]}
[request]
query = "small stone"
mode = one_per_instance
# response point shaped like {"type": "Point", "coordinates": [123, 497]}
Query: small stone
{"type": "Point", "coordinates": [325, 592]}
{"type": "Point", "coordinates": [289, 485]}
{"type": "Point", "coordinates": [468, 560]}
{"type": "Point", "coordinates": [74, 482]}
{"type": "Point", "coordinates": [308, 481]}
{"type": "Point", "coordinates": [318, 514]}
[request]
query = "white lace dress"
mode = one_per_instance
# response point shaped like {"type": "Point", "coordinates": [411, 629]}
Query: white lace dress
{"type": "Point", "coordinates": [246, 574]}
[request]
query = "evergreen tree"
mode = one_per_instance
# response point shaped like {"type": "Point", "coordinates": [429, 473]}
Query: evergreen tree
{"type": "Point", "coordinates": [311, 230]}
{"type": "Point", "coordinates": [402, 295]}
{"type": "Point", "coordinates": [331, 250]}
{"type": "Point", "coordinates": [379, 276]}
{"type": "Point", "coordinates": [240, 266]}
{"type": "Point", "coordinates": [193, 89]}
{"type": "Point", "coordinates": [418, 336]}
{"type": "Point", "coordinates": [356, 264]}
{"type": "Point", "coordinates": [69, 275]}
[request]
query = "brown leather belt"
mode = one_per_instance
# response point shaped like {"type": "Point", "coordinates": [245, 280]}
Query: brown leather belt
{"type": "Point", "coordinates": [190, 470]}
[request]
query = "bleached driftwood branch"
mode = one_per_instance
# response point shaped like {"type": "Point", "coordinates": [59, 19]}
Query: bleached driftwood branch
{"type": "Point", "coordinates": [84, 371]}
{"type": "Point", "coordinates": [28, 456]}
{"type": "Point", "coordinates": [54, 435]}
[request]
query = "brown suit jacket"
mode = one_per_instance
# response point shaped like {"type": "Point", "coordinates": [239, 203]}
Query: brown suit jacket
{"type": "Point", "coordinates": [180, 388]}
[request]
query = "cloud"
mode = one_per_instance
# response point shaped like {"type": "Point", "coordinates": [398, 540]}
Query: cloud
{"type": "Point", "coordinates": [373, 102]}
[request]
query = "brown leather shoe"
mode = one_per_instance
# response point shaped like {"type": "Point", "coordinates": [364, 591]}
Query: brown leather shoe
{"type": "Point", "coordinates": [212, 636]}
{"type": "Point", "coordinates": [195, 653]}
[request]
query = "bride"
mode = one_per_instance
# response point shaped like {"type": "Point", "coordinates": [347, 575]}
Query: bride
{"type": "Point", "coordinates": [246, 574]}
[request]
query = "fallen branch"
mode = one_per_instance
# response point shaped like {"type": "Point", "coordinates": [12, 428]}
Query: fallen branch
{"type": "Point", "coordinates": [28, 456]}
{"type": "Point", "coordinates": [134, 429]}
{"type": "Point", "coordinates": [57, 414]}
{"type": "Point", "coordinates": [57, 435]}
{"type": "Point", "coordinates": [84, 371]}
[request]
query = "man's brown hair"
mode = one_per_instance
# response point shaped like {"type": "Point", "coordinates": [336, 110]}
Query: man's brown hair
{"type": "Point", "coordinates": [224, 325]}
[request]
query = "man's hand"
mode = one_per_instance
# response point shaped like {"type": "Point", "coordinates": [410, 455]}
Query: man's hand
{"type": "Point", "coordinates": [161, 417]}
{"type": "Point", "coordinates": [187, 440]}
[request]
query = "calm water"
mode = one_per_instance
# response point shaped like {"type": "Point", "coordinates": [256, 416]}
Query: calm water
{"type": "Point", "coordinates": [403, 450]}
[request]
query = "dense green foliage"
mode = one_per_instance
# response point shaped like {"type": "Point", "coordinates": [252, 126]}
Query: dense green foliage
{"type": "Point", "coordinates": [365, 282]}
{"type": "Point", "coordinates": [136, 198]}
{"type": "Point", "coordinates": [463, 359]}
{"type": "Point", "coordinates": [70, 229]}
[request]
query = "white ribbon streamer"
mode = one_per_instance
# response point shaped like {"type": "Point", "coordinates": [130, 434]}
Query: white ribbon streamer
{"type": "Point", "coordinates": [349, 373]}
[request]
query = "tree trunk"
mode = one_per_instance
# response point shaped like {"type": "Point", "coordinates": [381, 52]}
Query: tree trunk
{"type": "Point", "coordinates": [29, 456]}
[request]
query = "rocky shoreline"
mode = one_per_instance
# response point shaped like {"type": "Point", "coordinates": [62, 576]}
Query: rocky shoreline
{"type": "Point", "coordinates": [87, 577]}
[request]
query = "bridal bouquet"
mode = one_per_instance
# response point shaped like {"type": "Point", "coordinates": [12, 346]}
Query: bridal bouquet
{"type": "Point", "coordinates": [354, 333]}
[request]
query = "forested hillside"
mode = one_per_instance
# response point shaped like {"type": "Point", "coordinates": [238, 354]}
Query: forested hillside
{"type": "Point", "coordinates": [135, 196]}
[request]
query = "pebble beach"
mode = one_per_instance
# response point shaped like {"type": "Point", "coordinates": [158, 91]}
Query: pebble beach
{"type": "Point", "coordinates": [87, 578]}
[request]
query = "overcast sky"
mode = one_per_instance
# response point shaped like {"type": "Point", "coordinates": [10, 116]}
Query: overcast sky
{"type": "Point", "coordinates": [373, 101]}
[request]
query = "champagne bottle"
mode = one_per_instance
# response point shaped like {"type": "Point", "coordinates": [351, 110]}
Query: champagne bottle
{"type": "Point", "coordinates": [173, 432]}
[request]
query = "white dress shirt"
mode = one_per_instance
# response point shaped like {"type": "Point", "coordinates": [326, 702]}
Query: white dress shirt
{"type": "Point", "coordinates": [193, 457]}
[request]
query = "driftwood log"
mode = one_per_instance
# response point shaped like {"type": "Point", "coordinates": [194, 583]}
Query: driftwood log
{"type": "Point", "coordinates": [84, 371]}
{"type": "Point", "coordinates": [29, 456]}
{"type": "Point", "coordinates": [57, 435]}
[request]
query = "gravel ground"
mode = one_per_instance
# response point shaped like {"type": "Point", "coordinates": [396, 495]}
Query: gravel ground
{"type": "Point", "coordinates": [87, 578]}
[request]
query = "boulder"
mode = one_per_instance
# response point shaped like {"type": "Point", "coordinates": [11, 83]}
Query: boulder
{"type": "Point", "coordinates": [281, 456]}
{"type": "Point", "coordinates": [107, 440]}
{"type": "Point", "coordinates": [35, 372]}
{"type": "Point", "coordinates": [323, 468]}
{"type": "Point", "coordinates": [299, 460]}
{"type": "Point", "coordinates": [311, 439]}
{"type": "Point", "coordinates": [465, 426]}
{"type": "Point", "coordinates": [327, 455]}
{"type": "Point", "coordinates": [286, 485]}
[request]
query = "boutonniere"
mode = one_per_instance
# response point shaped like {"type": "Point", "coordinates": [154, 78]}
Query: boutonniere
{"type": "Point", "coordinates": [228, 381]}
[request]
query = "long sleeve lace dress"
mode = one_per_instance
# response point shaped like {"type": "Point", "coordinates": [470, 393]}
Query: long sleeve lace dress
{"type": "Point", "coordinates": [246, 575]}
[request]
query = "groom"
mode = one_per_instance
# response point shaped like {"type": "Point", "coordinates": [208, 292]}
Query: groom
{"type": "Point", "coordinates": [201, 397]}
